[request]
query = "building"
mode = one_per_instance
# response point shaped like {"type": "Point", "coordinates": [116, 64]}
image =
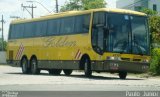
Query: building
{"type": "Point", "coordinates": [139, 4]}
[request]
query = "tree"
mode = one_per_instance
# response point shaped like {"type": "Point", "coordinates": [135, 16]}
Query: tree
{"type": "Point", "coordinates": [92, 4]}
{"type": "Point", "coordinates": [71, 5]}
{"type": "Point", "coordinates": [149, 11]}
{"type": "Point", "coordinates": [154, 23]}
{"type": "Point", "coordinates": [83, 5]}
{"type": "Point", "coordinates": [4, 44]}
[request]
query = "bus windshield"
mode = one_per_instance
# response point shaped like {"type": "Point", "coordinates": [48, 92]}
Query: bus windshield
{"type": "Point", "coordinates": [121, 33]}
{"type": "Point", "coordinates": [140, 43]}
{"type": "Point", "coordinates": [118, 34]}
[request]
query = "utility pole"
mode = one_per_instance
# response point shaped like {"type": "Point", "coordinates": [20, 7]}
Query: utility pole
{"type": "Point", "coordinates": [40, 4]}
{"type": "Point", "coordinates": [32, 9]}
{"type": "Point", "coordinates": [2, 21]}
{"type": "Point", "coordinates": [57, 6]}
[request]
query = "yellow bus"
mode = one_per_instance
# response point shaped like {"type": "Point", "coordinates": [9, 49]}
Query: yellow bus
{"type": "Point", "coordinates": [100, 40]}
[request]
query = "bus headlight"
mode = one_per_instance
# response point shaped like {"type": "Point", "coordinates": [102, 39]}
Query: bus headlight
{"type": "Point", "coordinates": [113, 58]}
{"type": "Point", "coordinates": [110, 58]}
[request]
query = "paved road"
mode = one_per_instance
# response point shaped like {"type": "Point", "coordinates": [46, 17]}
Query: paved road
{"type": "Point", "coordinates": [11, 78]}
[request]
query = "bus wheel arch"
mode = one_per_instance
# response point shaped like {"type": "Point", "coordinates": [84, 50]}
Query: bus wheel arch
{"type": "Point", "coordinates": [85, 64]}
{"type": "Point", "coordinates": [33, 56]}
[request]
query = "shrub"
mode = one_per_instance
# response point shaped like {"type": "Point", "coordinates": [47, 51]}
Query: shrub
{"type": "Point", "coordinates": [155, 62]}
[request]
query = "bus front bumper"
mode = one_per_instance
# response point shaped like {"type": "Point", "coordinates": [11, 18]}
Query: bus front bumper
{"type": "Point", "coordinates": [116, 66]}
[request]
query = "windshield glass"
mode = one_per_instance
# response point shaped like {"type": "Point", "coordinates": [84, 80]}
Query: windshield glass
{"type": "Point", "coordinates": [119, 29]}
{"type": "Point", "coordinates": [139, 35]}
{"type": "Point", "coordinates": [120, 33]}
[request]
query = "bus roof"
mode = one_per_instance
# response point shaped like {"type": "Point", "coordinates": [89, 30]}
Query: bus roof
{"type": "Point", "coordinates": [74, 13]}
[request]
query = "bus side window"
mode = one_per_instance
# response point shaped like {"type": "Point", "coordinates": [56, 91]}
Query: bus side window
{"type": "Point", "coordinates": [98, 32]}
{"type": "Point", "coordinates": [86, 22]}
{"type": "Point", "coordinates": [29, 30]}
{"type": "Point", "coordinates": [38, 29]}
{"type": "Point", "coordinates": [78, 24]}
{"type": "Point", "coordinates": [10, 36]}
{"type": "Point", "coordinates": [19, 30]}
{"type": "Point", "coordinates": [67, 25]}
{"type": "Point", "coordinates": [13, 32]}
{"type": "Point", "coordinates": [53, 27]}
{"type": "Point", "coordinates": [82, 23]}
{"type": "Point", "coordinates": [41, 28]}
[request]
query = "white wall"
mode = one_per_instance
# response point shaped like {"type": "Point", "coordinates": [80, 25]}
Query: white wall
{"type": "Point", "coordinates": [2, 57]}
{"type": "Point", "coordinates": [123, 3]}
{"type": "Point", "coordinates": [157, 2]}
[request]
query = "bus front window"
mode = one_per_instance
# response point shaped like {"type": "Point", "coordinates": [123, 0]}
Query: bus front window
{"type": "Point", "coordinates": [118, 34]}
{"type": "Point", "coordinates": [139, 35]}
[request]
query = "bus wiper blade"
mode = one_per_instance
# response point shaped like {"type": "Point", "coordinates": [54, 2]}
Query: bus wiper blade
{"type": "Point", "coordinates": [140, 54]}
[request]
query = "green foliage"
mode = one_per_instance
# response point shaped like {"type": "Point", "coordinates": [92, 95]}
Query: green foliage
{"type": "Point", "coordinates": [155, 62]}
{"type": "Point", "coordinates": [154, 22]}
{"type": "Point", "coordinates": [71, 5]}
{"type": "Point", "coordinates": [4, 43]}
{"type": "Point", "coordinates": [149, 11]}
{"type": "Point", "coordinates": [92, 4]}
{"type": "Point", "coordinates": [83, 5]}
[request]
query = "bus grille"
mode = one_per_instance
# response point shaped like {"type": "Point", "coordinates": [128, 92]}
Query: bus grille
{"type": "Point", "coordinates": [125, 59]}
{"type": "Point", "coordinates": [137, 60]}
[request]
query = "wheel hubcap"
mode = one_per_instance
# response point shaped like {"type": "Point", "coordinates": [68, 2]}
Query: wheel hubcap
{"type": "Point", "coordinates": [33, 65]}
{"type": "Point", "coordinates": [86, 67]}
{"type": "Point", "coordinates": [24, 65]}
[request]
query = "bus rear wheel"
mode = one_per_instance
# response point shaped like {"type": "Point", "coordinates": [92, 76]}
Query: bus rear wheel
{"type": "Point", "coordinates": [87, 68]}
{"type": "Point", "coordinates": [55, 71]}
{"type": "Point", "coordinates": [122, 75]}
{"type": "Point", "coordinates": [24, 65]}
{"type": "Point", "coordinates": [34, 66]}
{"type": "Point", "coordinates": [67, 71]}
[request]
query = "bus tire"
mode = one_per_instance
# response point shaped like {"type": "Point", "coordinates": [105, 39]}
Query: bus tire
{"type": "Point", "coordinates": [24, 65]}
{"type": "Point", "coordinates": [34, 66]}
{"type": "Point", "coordinates": [67, 71]}
{"type": "Point", "coordinates": [55, 71]}
{"type": "Point", "coordinates": [87, 67]}
{"type": "Point", "coordinates": [122, 75]}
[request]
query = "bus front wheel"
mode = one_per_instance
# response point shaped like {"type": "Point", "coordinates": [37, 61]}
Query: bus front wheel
{"type": "Point", "coordinates": [87, 68]}
{"type": "Point", "coordinates": [67, 71]}
{"type": "Point", "coordinates": [24, 65]}
{"type": "Point", "coordinates": [34, 66]}
{"type": "Point", "coordinates": [55, 71]}
{"type": "Point", "coordinates": [122, 75]}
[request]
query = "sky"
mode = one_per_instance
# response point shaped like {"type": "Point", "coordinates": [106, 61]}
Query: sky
{"type": "Point", "coordinates": [11, 8]}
